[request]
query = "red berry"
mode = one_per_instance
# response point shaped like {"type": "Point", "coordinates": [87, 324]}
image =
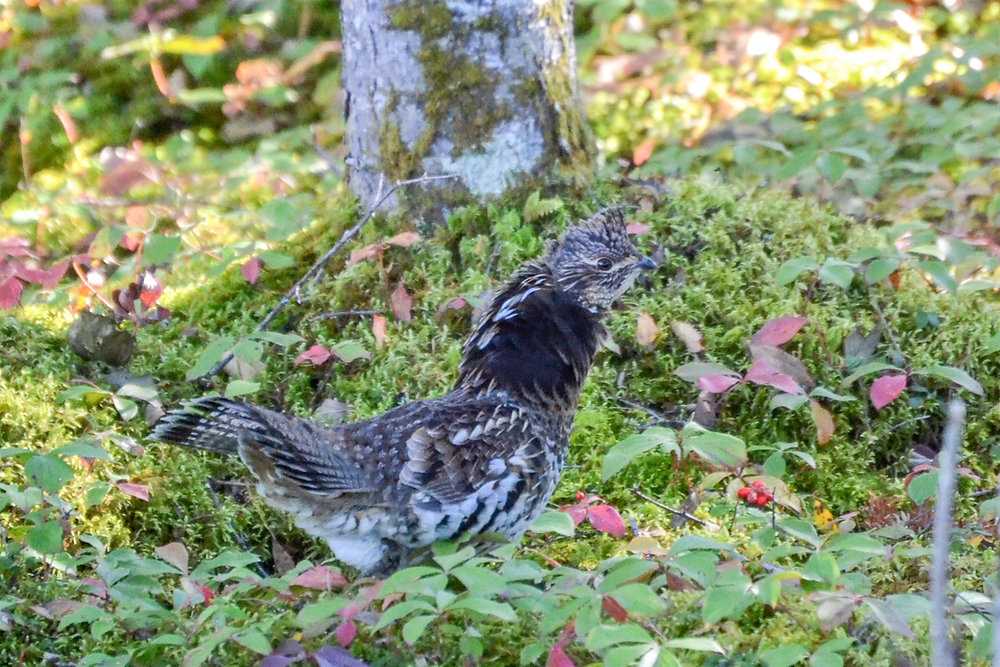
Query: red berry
{"type": "Point", "coordinates": [743, 493]}
{"type": "Point", "coordinates": [580, 495]}
{"type": "Point", "coordinates": [759, 485]}
{"type": "Point", "coordinates": [762, 500]}
{"type": "Point", "coordinates": [752, 497]}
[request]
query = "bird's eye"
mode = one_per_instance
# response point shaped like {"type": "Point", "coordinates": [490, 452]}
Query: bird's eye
{"type": "Point", "coordinates": [604, 264]}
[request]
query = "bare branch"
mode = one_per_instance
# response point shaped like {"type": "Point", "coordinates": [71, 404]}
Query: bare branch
{"type": "Point", "coordinates": [942, 650]}
{"type": "Point", "coordinates": [675, 512]}
{"type": "Point", "coordinates": [316, 270]}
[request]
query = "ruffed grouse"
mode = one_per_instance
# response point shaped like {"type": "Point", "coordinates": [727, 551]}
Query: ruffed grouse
{"type": "Point", "coordinates": [485, 457]}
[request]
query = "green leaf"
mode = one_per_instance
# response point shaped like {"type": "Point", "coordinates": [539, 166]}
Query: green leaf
{"type": "Point", "coordinates": [604, 636]}
{"type": "Point", "coordinates": [46, 538]}
{"type": "Point", "coordinates": [784, 656]}
{"type": "Point", "coordinates": [500, 610]}
{"type": "Point", "coordinates": [822, 567]}
{"type": "Point", "coordinates": [536, 208]}
{"type": "Point", "coordinates": [350, 350]}
{"type": "Point", "coordinates": [695, 644]}
{"type": "Point", "coordinates": [142, 392]}
{"type": "Point", "coordinates": [319, 611]}
{"type": "Point", "coordinates": [793, 268]}
{"type": "Point", "coordinates": [277, 260]}
{"type": "Point", "coordinates": [401, 610]}
{"type": "Point", "coordinates": [254, 640]}
{"type": "Point", "coordinates": [127, 408]}
{"type": "Point", "coordinates": [6, 452]}
{"type": "Point", "coordinates": [940, 273]}
{"type": "Point", "coordinates": [800, 529]}
{"type": "Point", "coordinates": [952, 374]}
{"type": "Point", "coordinates": [85, 614]}
{"type": "Point", "coordinates": [628, 569]}
{"type": "Point", "coordinates": [160, 249]}
{"type": "Point", "coordinates": [48, 471]}
{"type": "Point", "coordinates": [248, 351]}
{"type": "Point", "coordinates": [282, 339]}
{"type": "Point", "coordinates": [639, 600]}
{"type": "Point", "coordinates": [554, 521]}
{"type": "Point", "coordinates": [84, 448]}
{"type": "Point", "coordinates": [628, 449]}
{"type": "Point", "coordinates": [775, 465]}
{"type": "Point", "coordinates": [95, 494]}
{"type": "Point", "coordinates": [76, 392]}
{"type": "Point", "coordinates": [210, 356]}
{"type": "Point", "coordinates": [837, 272]}
{"type": "Point", "coordinates": [823, 392]}
{"type": "Point", "coordinates": [696, 369]}
{"type": "Point", "coordinates": [479, 580]}
{"type": "Point", "coordinates": [415, 627]}
{"type": "Point", "coordinates": [868, 369]}
{"type": "Point", "coordinates": [832, 166]}
{"type": "Point", "coordinates": [923, 487]}
{"type": "Point", "coordinates": [718, 448]}
{"type": "Point", "coordinates": [856, 542]}
{"type": "Point", "coordinates": [880, 269]}
{"type": "Point", "coordinates": [241, 388]}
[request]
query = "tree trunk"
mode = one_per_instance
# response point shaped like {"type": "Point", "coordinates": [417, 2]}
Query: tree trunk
{"type": "Point", "coordinates": [484, 89]}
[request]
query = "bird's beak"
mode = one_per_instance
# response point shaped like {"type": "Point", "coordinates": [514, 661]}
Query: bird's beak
{"type": "Point", "coordinates": [646, 264]}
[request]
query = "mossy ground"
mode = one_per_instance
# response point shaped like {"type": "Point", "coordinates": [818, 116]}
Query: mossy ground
{"type": "Point", "coordinates": [723, 248]}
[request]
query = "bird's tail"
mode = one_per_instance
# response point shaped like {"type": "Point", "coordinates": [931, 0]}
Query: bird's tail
{"type": "Point", "coordinates": [212, 423]}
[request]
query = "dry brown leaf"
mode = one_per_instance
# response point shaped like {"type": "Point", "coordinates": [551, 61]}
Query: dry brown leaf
{"type": "Point", "coordinates": [402, 303]}
{"type": "Point", "coordinates": [379, 323]}
{"type": "Point", "coordinates": [403, 239]}
{"type": "Point", "coordinates": [824, 422]}
{"type": "Point", "coordinates": [176, 554]}
{"type": "Point", "coordinates": [689, 335]}
{"type": "Point", "coordinates": [646, 330]}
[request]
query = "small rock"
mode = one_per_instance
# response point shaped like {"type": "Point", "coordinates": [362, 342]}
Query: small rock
{"type": "Point", "coordinates": [98, 338]}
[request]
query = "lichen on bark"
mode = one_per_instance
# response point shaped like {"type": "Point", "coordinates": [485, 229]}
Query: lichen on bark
{"type": "Point", "coordinates": [483, 90]}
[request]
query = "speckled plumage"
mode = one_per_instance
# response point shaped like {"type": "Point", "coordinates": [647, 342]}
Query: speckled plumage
{"type": "Point", "coordinates": [485, 457]}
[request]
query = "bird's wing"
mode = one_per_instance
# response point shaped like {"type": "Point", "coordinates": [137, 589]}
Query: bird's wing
{"type": "Point", "coordinates": [462, 447]}
{"type": "Point", "coordinates": [277, 448]}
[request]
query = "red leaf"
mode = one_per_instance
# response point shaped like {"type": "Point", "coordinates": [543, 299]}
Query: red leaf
{"type": "Point", "coordinates": [642, 152]}
{"type": "Point", "coordinates": [558, 658]}
{"type": "Point", "coordinates": [716, 384]}
{"type": "Point", "coordinates": [401, 303]}
{"type": "Point", "coordinates": [150, 289]}
{"type": "Point", "coordinates": [346, 632]}
{"type": "Point", "coordinates": [320, 578]}
{"type": "Point", "coordinates": [762, 373]}
{"type": "Point", "coordinates": [316, 355]}
{"type": "Point", "coordinates": [576, 512]}
{"type": "Point", "coordinates": [14, 247]}
{"type": "Point", "coordinates": [403, 239]}
{"type": "Point", "coordinates": [606, 519]}
{"type": "Point", "coordinates": [778, 331]}
{"type": "Point", "coordinates": [887, 389]}
{"type": "Point", "coordinates": [10, 293]}
{"type": "Point", "coordinates": [206, 593]}
{"type": "Point", "coordinates": [47, 279]}
{"type": "Point", "coordinates": [378, 329]}
{"type": "Point", "coordinates": [251, 269]}
{"type": "Point", "coordinates": [140, 491]}
{"type": "Point", "coordinates": [614, 609]}
{"type": "Point", "coordinates": [637, 228]}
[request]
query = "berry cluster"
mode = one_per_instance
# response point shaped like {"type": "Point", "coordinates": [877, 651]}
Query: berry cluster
{"type": "Point", "coordinates": [756, 494]}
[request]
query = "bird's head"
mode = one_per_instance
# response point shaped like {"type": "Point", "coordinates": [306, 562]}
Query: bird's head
{"type": "Point", "coordinates": [595, 261]}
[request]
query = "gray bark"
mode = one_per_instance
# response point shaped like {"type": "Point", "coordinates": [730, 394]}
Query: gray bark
{"type": "Point", "coordinates": [482, 89]}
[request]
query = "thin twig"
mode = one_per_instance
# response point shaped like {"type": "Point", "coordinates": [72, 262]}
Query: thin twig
{"type": "Point", "coordinates": [658, 416]}
{"type": "Point", "coordinates": [319, 265]}
{"type": "Point", "coordinates": [342, 313]}
{"type": "Point", "coordinates": [93, 290]}
{"type": "Point", "coordinates": [943, 655]}
{"type": "Point", "coordinates": [675, 512]}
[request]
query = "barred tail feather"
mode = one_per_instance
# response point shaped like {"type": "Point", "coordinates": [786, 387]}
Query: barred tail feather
{"type": "Point", "coordinates": [212, 423]}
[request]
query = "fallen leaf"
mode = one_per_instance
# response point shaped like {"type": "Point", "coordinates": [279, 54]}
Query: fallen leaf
{"type": "Point", "coordinates": [642, 152]}
{"type": "Point", "coordinates": [762, 373]}
{"type": "Point", "coordinates": [637, 228]}
{"type": "Point", "coordinates": [688, 335]}
{"type": "Point", "coordinates": [646, 330]}
{"type": "Point", "coordinates": [379, 323]}
{"type": "Point", "coordinates": [367, 252]}
{"type": "Point", "coordinates": [576, 512]}
{"type": "Point", "coordinates": [251, 269]}
{"type": "Point", "coordinates": [283, 561]}
{"type": "Point", "coordinates": [139, 491]}
{"type": "Point", "coordinates": [606, 519]}
{"type": "Point", "coordinates": [320, 578]}
{"type": "Point", "coordinates": [824, 422]}
{"type": "Point", "coordinates": [778, 331]}
{"type": "Point", "coordinates": [716, 384]}
{"type": "Point", "coordinates": [317, 355]}
{"type": "Point", "coordinates": [886, 389]}
{"type": "Point", "coordinates": [403, 239]}
{"type": "Point", "coordinates": [174, 553]}
{"type": "Point", "coordinates": [402, 303]}
{"type": "Point", "coordinates": [783, 362]}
